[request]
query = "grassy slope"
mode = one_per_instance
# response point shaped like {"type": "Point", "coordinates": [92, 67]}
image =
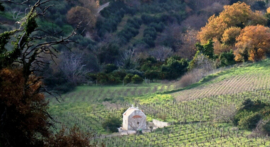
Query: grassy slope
{"type": "Point", "coordinates": [85, 101]}
{"type": "Point", "coordinates": [87, 106]}
{"type": "Point", "coordinates": [202, 109]}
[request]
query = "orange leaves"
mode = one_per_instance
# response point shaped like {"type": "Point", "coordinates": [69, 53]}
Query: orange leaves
{"type": "Point", "coordinates": [214, 28]}
{"type": "Point", "coordinates": [238, 14]}
{"type": "Point", "coordinates": [268, 10]}
{"type": "Point", "coordinates": [22, 100]}
{"type": "Point", "coordinates": [254, 39]}
{"type": "Point", "coordinates": [232, 25]}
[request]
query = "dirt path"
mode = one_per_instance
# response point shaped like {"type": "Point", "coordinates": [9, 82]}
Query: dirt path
{"type": "Point", "coordinates": [100, 8]}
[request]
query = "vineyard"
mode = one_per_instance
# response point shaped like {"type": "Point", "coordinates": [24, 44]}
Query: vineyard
{"type": "Point", "coordinates": [199, 134]}
{"type": "Point", "coordinates": [199, 115]}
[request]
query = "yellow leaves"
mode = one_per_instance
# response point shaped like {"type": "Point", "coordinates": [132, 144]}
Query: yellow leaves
{"type": "Point", "coordinates": [236, 13]}
{"type": "Point", "coordinates": [230, 35]}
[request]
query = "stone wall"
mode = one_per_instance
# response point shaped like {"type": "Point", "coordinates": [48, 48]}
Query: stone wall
{"type": "Point", "coordinates": [160, 124]}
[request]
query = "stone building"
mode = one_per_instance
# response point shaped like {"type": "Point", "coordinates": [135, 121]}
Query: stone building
{"type": "Point", "coordinates": [134, 119]}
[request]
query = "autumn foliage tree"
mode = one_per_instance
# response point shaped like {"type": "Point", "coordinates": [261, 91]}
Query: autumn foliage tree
{"type": "Point", "coordinates": [255, 40]}
{"type": "Point", "coordinates": [83, 16]}
{"type": "Point", "coordinates": [236, 15]}
{"type": "Point", "coordinates": [229, 36]}
{"type": "Point", "coordinates": [22, 110]}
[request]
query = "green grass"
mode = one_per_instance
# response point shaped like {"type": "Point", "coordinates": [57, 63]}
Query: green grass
{"type": "Point", "coordinates": [195, 120]}
{"type": "Point", "coordinates": [197, 134]}
{"type": "Point", "coordinates": [77, 107]}
{"type": "Point", "coordinates": [262, 67]}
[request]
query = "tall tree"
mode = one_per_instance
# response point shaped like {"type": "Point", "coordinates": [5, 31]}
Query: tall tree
{"type": "Point", "coordinates": [24, 120]}
{"type": "Point", "coordinates": [255, 40]}
{"type": "Point", "coordinates": [83, 16]}
{"type": "Point", "coordinates": [236, 15]}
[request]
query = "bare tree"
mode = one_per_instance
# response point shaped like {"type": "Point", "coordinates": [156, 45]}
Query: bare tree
{"type": "Point", "coordinates": [225, 113]}
{"type": "Point", "coordinates": [203, 62]}
{"type": "Point", "coordinates": [161, 52]}
{"type": "Point", "coordinates": [73, 67]}
{"type": "Point", "coordinates": [187, 48]}
{"type": "Point", "coordinates": [127, 60]}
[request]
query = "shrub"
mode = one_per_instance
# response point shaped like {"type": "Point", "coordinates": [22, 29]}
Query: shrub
{"type": "Point", "coordinates": [149, 41]}
{"type": "Point", "coordinates": [250, 122]}
{"type": "Point", "coordinates": [135, 72]}
{"type": "Point", "coordinates": [266, 127]}
{"type": "Point", "coordinates": [247, 104]}
{"type": "Point", "coordinates": [136, 79]}
{"type": "Point", "coordinates": [151, 32]}
{"type": "Point", "coordinates": [226, 58]}
{"type": "Point", "coordinates": [187, 79]}
{"type": "Point", "coordinates": [110, 68]}
{"type": "Point", "coordinates": [174, 68]}
{"type": "Point", "coordinates": [113, 79]}
{"type": "Point", "coordinates": [91, 77]}
{"type": "Point", "coordinates": [147, 19]}
{"type": "Point", "coordinates": [151, 74]}
{"type": "Point", "coordinates": [102, 78]}
{"type": "Point", "coordinates": [108, 53]}
{"type": "Point", "coordinates": [127, 78]}
{"type": "Point", "coordinates": [112, 123]}
{"type": "Point", "coordinates": [120, 73]}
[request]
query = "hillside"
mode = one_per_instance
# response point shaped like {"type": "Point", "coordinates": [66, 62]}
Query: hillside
{"type": "Point", "coordinates": [70, 70]}
{"type": "Point", "coordinates": [195, 110]}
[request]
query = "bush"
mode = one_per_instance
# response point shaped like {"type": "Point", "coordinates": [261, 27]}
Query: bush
{"type": "Point", "coordinates": [102, 78]}
{"type": "Point", "coordinates": [127, 78]}
{"type": "Point", "coordinates": [151, 74]}
{"type": "Point", "coordinates": [151, 32]}
{"type": "Point", "coordinates": [147, 19]}
{"type": "Point", "coordinates": [159, 27]}
{"type": "Point", "coordinates": [108, 53]}
{"type": "Point", "coordinates": [250, 122]}
{"type": "Point", "coordinates": [266, 127]}
{"type": "Point", "coordinates": [112, 123]}
{"type": "Point", "coordinates": [174, 67]}
{"type": "Point", "coordinates": [136, 79]}
{"type": "Point", "coordinates": [187, 79]}
{"type": "Point", "coordinates": [110, 68]}
{"type": "Point", "coordinates": [149, 41]}
{"type": "Point", "coordinates": [120, 73]}
{"type": "Point", "coordinates": [135, 72]}
{"type": "Point", "coordinates": [247, 104]}
{"type": "Point", "coordinates": [130, 30]}
{"type": "Point", "coordinates": [226, 58]}
{"type": "Point", "coordinates": [113, 79]}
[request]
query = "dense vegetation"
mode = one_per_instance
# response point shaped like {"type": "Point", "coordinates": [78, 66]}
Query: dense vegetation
{"type": "Point", "coordinates": [208, 78]}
